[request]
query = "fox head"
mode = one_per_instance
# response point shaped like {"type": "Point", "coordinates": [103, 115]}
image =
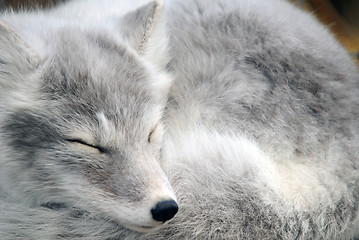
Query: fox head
{"type": "Point", "coordinates": [80, 119]}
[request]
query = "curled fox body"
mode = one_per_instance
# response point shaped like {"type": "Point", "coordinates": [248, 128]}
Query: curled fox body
{"type": "Point", "coordinates": [258, 101]}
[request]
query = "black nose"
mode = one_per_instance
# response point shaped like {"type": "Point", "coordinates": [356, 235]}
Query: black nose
{"type": "Point", "coordinates": [164, 210]}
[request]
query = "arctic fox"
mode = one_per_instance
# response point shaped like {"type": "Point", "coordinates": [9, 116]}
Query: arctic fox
{"type": "Point", "coordinates": [81, 110]}
{"type": "Point", "coordinates": [261, 109]}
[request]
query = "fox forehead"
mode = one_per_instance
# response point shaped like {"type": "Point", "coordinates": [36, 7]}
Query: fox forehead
{"type": "Point", "coordinates": [93, 62]}
{"type": "Point", "coordinates": [97, 76]}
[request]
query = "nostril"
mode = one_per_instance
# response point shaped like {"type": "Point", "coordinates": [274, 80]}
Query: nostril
{"type": "Point", "coordinates": [164, 210]}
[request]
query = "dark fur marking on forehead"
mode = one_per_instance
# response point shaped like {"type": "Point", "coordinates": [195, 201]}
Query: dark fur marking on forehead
{"type": "Point", "coordinates": [106, 43]}
{"type": "Point", "coordinates": [60, 84]}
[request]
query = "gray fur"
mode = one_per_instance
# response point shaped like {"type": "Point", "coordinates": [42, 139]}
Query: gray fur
{"type": "Point", "coordinates": [239, 71]}
{"type": "Point", "coordinates": [84, 118]}
{"type": "Point", "coordinates": [261, 119]}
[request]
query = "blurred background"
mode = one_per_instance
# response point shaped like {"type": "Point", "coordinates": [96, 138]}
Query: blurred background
{"type": "Point", "coordinates": [341, 16]}
{"type": "Point", "coordinates": [25, 4]}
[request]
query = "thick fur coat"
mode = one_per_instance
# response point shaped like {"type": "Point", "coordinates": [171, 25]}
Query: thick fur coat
{"type": "Point", "coordinates": [258, 100]}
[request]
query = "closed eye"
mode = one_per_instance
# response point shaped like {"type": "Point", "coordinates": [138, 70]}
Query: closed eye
{"type": "Point", "coordinates": [80, 141]}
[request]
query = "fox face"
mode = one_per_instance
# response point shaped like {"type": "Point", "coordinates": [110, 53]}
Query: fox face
{"type": "Point", "coordinates": [81, 124]}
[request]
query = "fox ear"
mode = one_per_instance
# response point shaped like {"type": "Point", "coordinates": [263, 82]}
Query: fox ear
{"type": "Point", "coordinates": [145, 31]}
{"type": "Point", "coordinates": [16, 59]}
